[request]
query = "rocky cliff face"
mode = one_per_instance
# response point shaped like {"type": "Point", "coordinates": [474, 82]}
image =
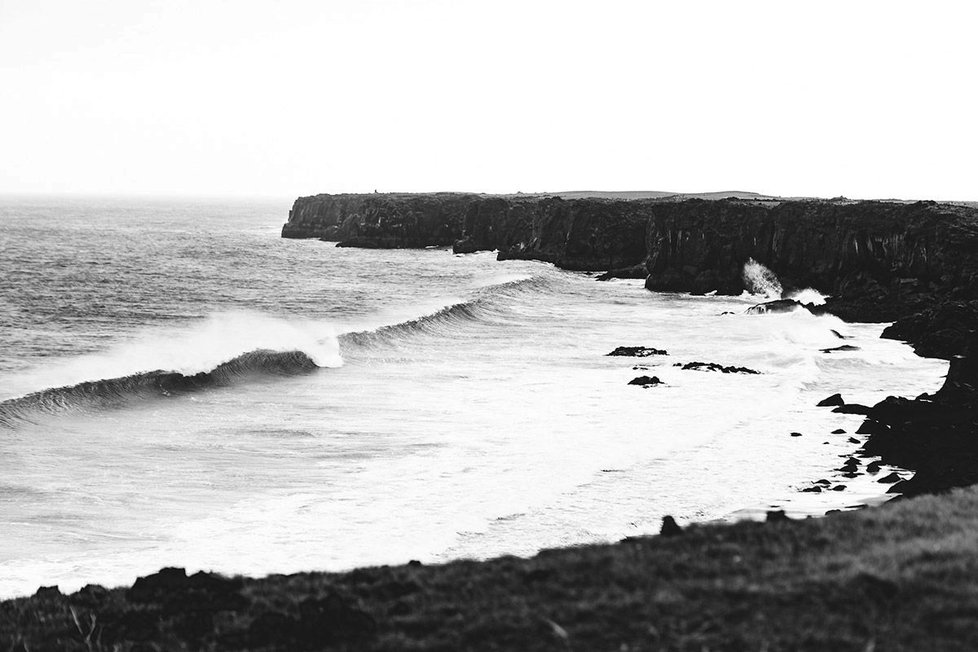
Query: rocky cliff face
{"type": "Point", "coordinates": [880, 260]}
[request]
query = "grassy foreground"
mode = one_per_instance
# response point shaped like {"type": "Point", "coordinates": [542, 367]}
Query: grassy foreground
{"type": "Point", "coordinates": [899, 577]}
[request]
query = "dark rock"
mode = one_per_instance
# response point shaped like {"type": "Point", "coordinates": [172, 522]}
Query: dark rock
{"type": "Point", "coordinates": [645, 381]}
{"type": "Point", "coordinates": [852, 408]}
{"type": "Point", "coordinates": [48, 593]}
{"type": "Point", "coordinates": [713, 366]}
{"type": "Point", "coordinates": [814, 489]}
{"type": "Point", "coordinates": [669, 527]}
{"type": "Point", "coordinates": [853, 440]}
{"type": "Point", "coordinates": [90, 596]}
{"type": "Point", "coordinates": [640, 367]}
{"type": "Point", "coordinates": [176, 592]}
{"type": "Point", "coordinates": [891, 478]}
{"type": "Point", "coordinates": [840, 335]}
{"type": "Point", "coordinates": [777, 516]}
{"type": "Point", "coordinates": [851, 474]}
{"type": "Point", "coordinates": [873, 467]}
{"type": "Point", "coordinates": [839, 487]}
{"type": "Point", "coordinates": [637, 351]}
{"type": "Point", "coordinates": [796, 434]}
{"type": "Point", "coordinates": [844, 347]}
{"type": "Point", "coordinates": [823, 482]}
{"type": "Point", "coordinates": [940, 331]}
{"type": "Point", "coordinates": [778, 306]}
{"type": "Point", "coordinates": [839, 431]}
{"type": "Point", "coordinates": [835, 399]}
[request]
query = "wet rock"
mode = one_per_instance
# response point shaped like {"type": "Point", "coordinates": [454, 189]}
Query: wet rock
{"type": "Point", "coordinates": [813, 489]}
{"type": "Point", "coordinates": [839, 431]}
{"type": "Point", "coordinates": [796, 434]}
{"type": "Point", "coordinates": [853, 440]}
{"type": "Point", "coordinates": [891, 478]}
{"type": "Point", "coordinates": [823, 482]}
{"type": "Point", "coordinates": [669, 527]}
{"type": "Point", "coordinates": [852, 408]}
{"type": "Point", "coordinates": [851, 474]}
{"type": "Point", "coordinates": [940, 331]}
{"type": "Point", "coordinates": [777, 516]}
{"type": "Point", "coordinates": [839, 349]}
{"type": "Point", "coordinates": [777, 306]}
{"type": "Point", "coordinates": [713, 366]}
{"type": "Point", "coordinates": [175, 591]}
{"type": "Point", "coordinates": [873, 467]}
{"type": "Point", "coordinates": [835, 399]}
{"type": "Point", "coordinates": [839, 487]}
{"type": "Point", "coordinates": [637, 351]}
{"type": "Point", "coordinates": [645, 381]}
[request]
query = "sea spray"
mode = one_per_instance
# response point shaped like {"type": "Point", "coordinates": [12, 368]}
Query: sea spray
{"type": "Point", "coordinates": [758, 279]}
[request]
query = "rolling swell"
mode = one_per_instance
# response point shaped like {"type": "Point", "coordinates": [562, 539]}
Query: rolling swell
{"type": "Point", "coordinates": [112, 392]}
{"type": "Point", "coordinates": [490, 303]}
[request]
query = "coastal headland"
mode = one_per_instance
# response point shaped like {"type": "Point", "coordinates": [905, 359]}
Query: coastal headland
{"type": "Point", "coordinates": [896, 577]}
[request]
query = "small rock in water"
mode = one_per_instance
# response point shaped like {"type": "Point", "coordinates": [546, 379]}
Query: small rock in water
{"type": "Point", "coordinates": [853, 440]}
{"type": "Point", "coordinates": [839, 487]}
{"type": "Point", "coordinates": [645, 381]}
{"type": "Point", "coordinates": [812, 490]}
{"type": "Point", "coordinates": [669, 527]}
{"type": "Point", "coordinates": [851, 474]}
{"type": "Point", "coordinates": [779, 305]}
{"type": "Point", "coordinates": [844, 347]}
{"type": "Point", "coordinates": [637, 351]}
{"type": "Point", "coordinates": [640, 367]}
{"type": "Point", "coordinates": [777, 516]}
{"type": "Point", "coordinates": [839, 431]}
{"type": "Point", "coordinates": [874, 467]}
{"type": "Point", "coordinates": [840, 335]}
{"type": "Point", "coordinates": [796, 434]}
{"type": "Point", "coordinates": [890, 479]}
{"type": "Point", "coordinates": [835, 399]}
{"type": "Point", "coordinates": [713, 366]}
{"type": "Point", "coordinates": [823, 481]}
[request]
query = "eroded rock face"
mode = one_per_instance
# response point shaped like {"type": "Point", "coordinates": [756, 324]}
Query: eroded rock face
{"type": "Point", "coordinates": [940, 331]}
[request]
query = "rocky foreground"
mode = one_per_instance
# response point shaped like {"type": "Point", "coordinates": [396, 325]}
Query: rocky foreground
{"type": "Point", "coordinates": [898, 577]}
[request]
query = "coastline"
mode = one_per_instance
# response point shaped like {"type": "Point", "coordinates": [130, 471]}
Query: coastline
{"type": "Point", "coordinates": [836, 580]}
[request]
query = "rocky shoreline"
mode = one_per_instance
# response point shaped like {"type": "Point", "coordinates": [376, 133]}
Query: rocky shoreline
{"type": "Point", "coordinates": [894, 578]}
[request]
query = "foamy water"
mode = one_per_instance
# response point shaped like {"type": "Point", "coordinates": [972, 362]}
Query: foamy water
{"type": "Point", "coordinates": [462, 407]}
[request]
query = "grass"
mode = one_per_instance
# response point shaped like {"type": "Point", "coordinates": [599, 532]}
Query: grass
{"type": "Point", "coordinates": [898, 577]}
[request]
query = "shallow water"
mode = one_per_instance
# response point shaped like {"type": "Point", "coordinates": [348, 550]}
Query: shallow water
{"type": "Point", "coordinates": [462, 407]}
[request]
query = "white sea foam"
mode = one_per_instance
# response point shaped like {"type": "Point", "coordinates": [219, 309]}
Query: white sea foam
{"type": "Point", "coordinates": [760, 280]}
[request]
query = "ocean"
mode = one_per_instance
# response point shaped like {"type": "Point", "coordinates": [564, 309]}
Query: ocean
{"type": "Point", "coordinates": [179, 386]}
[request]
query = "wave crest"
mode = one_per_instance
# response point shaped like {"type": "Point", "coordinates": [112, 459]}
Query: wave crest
{"type": "Point", "coordinates": [110, 392]}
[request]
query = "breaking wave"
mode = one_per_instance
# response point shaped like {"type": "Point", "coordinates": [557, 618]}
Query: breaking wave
{"type": "Point", "coordinates": [112, 392]}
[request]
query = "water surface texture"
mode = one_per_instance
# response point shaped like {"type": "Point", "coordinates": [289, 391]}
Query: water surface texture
{"type": "Point", "coordinates": [181, 386]}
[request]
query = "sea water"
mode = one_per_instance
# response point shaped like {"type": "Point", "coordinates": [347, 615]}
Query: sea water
{"type": "Point", "coordinates": [183, 387]}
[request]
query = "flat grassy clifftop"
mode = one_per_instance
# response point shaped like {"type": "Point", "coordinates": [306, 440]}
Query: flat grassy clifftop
{"type": "Point", "coordinates": [900, 577]}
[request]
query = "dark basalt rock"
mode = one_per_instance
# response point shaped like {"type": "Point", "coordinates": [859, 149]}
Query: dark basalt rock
{"type": "Point", "coordinates": [637, 351]}
{"type": "Point", "coordinates": [835, 399]}
{"type": "Point", "coordinates": [645, 381]}
{"type": "Point", "coordinates": [852, 408]}
{"type": "Point", "coordinates": [839, 349]}
{"type": "Point", "coordinates": [839, 431]}
{"type": "Point", "coordinates": [796, 434]}
{"type": "Point", "coordinates": [839, 487]}
{"type": "Point", "coordinates": [669, 527]}
{"type": "Point", "coordinates": [777, 306]}
{"type": "Point", "coordinates": [814, 489]}
{"type": "Point", "coordinates": [891, 478]}
{"type": "Point", "coordinates": [873, 467]}
{"type": "Point", "coordinates": [932, 435]}
{"type": "Point", "coordinates": [941, 331]}
{"type": "Point", "coordinates": [175, 591]}
{"type": "Point", "coordinates": [713, 366]}
{"type": "Point", "coordinates": [776, 516]}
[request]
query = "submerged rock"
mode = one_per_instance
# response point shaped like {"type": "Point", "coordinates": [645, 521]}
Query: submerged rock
{"type": "Point", "coordinates": [844, 347]}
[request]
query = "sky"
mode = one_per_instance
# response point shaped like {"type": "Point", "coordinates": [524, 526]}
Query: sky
{"type": "Point", "coordinates": [262, 98]}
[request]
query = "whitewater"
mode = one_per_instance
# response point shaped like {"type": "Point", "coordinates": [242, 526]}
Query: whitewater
{"type": "Point", "coordinates": [179, 386]}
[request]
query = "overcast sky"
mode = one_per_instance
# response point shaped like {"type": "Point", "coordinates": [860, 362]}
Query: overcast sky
{"type": "Point", "coordinates": [254, 97]}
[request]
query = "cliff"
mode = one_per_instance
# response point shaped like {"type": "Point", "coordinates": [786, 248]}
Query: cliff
{"type": "Point", "coordinates": [880, 260]}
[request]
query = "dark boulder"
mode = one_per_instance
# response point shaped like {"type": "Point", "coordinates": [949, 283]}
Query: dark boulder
{"type": "Point", "coordinates": [835, 399]}
{"type": "Point", "coordinates": [645, 381]}
{"type": "Point", "coordinates": [852, 408]}
{"type": "Point", "coordinates": [891, 478]}
{"type": "Point", "coordinates": [836, 349]}
{"type": "Point", "coordinates": [777, 306]}
{"type": "Point", "coordinates": [636, 351]}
